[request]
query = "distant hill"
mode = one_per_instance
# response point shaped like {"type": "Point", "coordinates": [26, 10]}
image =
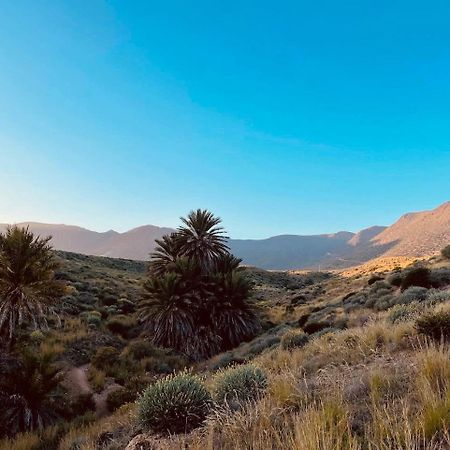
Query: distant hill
{"type": "Point", "coordinates": [133, 244]}
{"type": "Point", "coordinates": [414, 235]}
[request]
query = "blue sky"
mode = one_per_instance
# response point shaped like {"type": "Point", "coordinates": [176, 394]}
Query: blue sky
{"type": "Point", "coordinates": [288, 117]}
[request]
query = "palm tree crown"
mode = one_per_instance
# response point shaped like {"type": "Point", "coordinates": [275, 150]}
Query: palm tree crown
{"type": "Point", "coordinates": [202, 238]}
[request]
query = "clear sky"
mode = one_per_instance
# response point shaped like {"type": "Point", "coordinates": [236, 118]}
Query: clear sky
{"type": "Point", "coordinates": [281, 117]}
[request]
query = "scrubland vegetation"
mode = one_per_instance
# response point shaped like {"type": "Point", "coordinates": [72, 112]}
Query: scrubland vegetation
{"type": "Point", "coordinates": [199, 352]}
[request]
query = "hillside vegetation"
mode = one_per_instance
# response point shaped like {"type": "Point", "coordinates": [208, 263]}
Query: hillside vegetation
{"type": "Point", "coordinates": [342, 360]}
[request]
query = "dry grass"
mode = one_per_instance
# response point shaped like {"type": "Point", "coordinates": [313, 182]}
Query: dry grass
{"type": "Point", "coordinates": [375, 387]}
{"type": "Point", "coordinates": [97, 378]}
{"type": "Point", "coordinates": [378, 265]}
{"type": "Point", "coordinates": [87, 437]}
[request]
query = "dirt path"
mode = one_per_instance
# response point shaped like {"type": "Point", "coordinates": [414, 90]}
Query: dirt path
{"type": "Point", "coordinates": [77, 382]}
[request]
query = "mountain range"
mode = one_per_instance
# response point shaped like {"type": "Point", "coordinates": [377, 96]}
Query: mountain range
{"type": "Point", "coordinates": [414, 234]}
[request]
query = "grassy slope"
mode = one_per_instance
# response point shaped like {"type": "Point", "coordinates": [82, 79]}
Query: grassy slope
{"type": "Point", "coordinates": [373, 385]}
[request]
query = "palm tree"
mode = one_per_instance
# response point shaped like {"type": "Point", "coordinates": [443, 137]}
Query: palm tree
{"type": "Point", "coordinates": [233, 316]}
{"type": "Point", "coordinates": [166, 311]}
{"type": "Point", "coordinates": [28, 290]}
{"type": "Point", "coordinates": [227, 263]}
{"type": "Point", "coordinates": [165, 254]}
{"type": "Point", "coordinates": [196, 297]}
{"type": "Point", "coordinates": [28, 393]}
{"type": "Point", "coordinates": [201, 237]}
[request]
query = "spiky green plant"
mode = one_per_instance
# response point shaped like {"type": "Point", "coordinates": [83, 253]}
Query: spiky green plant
{"type": "Point", "coordinates": [202, 238]}
{"type": "Point", "coordinates": [294, 339]}
{"type": "Point", "coordinates": [240, 384]}
{"type": "Point", "coordinates": [165, 254]}
{"type": "Point", "coordinates": [28, 290]}
{"type": "Point", "coordinates": [175, 404]}
{"type": "Point", "coordinates": [232, 314]}
{"type": "Point", "coordinates": [28, 393]}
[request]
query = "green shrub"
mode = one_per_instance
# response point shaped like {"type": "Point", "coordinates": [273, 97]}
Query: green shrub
{"type": "Point", "coordinates": [435, 325]}
{"type": "Point", "coordinates": [405, 312]}
{"type": "Point", "coordinates": [94, 319]}
{"type": "Point", "coordinates": [373, 279]}
{"type": "Point", "coordinates": [105, 357]}
{"type": "Point", "coordinates": [37, 336]}
{"type": "Point", "coordinates": [126, 306]}
{"type": "Point", "coordinates": [395, 279]}
{"type": "Point", "coordinates": [436, 296]}
{"type": "Point", "coordinates": [240, 384]}
{"type": "Point", "coordinates": [440, 277]}
{"type": "Point", "coordinates": [121, 324]}
{"type": "Point", "coordinates": [412, 294]}
{"type": "Point", "coordinates": [419, 276]}
{"type": "Point", "coordinates": [81, 404]}
{"type": "Point", "coordinates": [294, 339]}
{"type": "Point", "coordinates": [175, 404]}
{"type": "Point", "coordinates": [142, 349]}
{"type": "Point", "coordinates": [108, 299]}
{"type": "Point", "coordinates": [262, 343]}
{"type": "Point", "coordinates": [119, 397]}
{"type": "Point", "coordinates": [324, 331]}
{"type": "Point", "coordinates": [445, 252]}
{"type": "Point", "coordinates": [313, 326]}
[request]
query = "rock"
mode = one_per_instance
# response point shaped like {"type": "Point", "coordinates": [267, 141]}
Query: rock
{"type": "Point", "coordinates": [143, 441]}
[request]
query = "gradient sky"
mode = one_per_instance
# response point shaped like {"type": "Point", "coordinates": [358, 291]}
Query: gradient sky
{"type": "Point", "coordinates": [281, 117]}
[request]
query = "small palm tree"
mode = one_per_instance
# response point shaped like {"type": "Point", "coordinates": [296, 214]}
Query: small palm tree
{"type": "Point", "coordinates": [166, 311]}
{"type": "Point", "coordinates": [28, 394]}
{"type": "Point", "coordinates": [233, 316]}
{"type": "Point", "coordinates": [165, 254]}
{"type": "Point", "coordinates": [201, 238]}
{"type": "Point", "coordinates": [28, 290]}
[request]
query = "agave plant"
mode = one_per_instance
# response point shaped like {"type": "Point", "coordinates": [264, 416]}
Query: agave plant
{"type": "Point", "coordinates": [28, 290]}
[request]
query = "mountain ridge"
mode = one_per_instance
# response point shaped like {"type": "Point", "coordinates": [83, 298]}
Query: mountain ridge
{"type": "Point", "coordinates": [415, 234]}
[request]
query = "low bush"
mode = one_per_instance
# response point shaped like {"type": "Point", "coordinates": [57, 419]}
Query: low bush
{"type": "Point", "coordinates": [81, 404]}
{"type": "Point", "coordinates": [121, 325]}
{"type": "Point", "coordinates": [313, 326]}
{"type": "Point", "coordinates": [97, 378]}
{"type": "Point", "coordinates": [395, 279]}
{"type": "Point", "coordinates": [435, 296]}
{"type": "Point", "coordinates": [373, 279]}
{"type": "Point", "coordinates": [435, 325]}
{"type": "Point", "coordinates": [105, 357]}
{"type": "Point", "coordinates": [294, 339]}
{"type": "Point", "coordinates": [419, 276]}
{"type": "Point", "coordinates": [412, 294]}
{"type": "Point", "coordinates": [142, 349]}
{"type": "Point", "coordinates": [240, 384]}
{"type": "Point", "coordinates": [94, 319]}
{"type": "Point", "coordinates": [126, 306]}
{"type": "Point", "coordinates": [405, 312]}
{"type": "Point", "coordinates": [440, 277]}
{"type": "Point", "coordinates": [445, 252]}
{"type": "Point", "coordinates": [119, 397]}
{"type": "Point", "coordinates": [175, 404]}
